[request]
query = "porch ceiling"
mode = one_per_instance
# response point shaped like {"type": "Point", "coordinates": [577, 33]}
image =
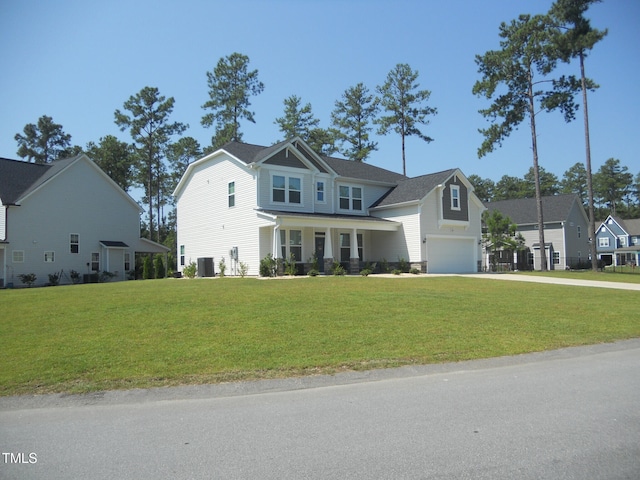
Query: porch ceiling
{"type": "Point", "coordinates": [319, 220]}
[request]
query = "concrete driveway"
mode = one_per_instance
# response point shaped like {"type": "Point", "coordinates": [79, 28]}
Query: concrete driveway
{"type": "Point", "coordinates": [554, 280]}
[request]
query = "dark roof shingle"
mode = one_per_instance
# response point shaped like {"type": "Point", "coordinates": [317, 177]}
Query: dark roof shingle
{"type": "Point", "coordinates": [523, 211]}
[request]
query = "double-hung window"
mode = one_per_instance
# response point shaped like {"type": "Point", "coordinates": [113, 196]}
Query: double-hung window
{"type": "Point", "coordinates": [74, 243]}
{"type": "Point", "coordinates": [232, 194]}
{"type": "Point", "coordinates": [320, 192]}
{"type": "Point", "coordinates": [49, 257]}
{"type": "Point", "coordinates": [350, 198]}
{"type": "Point", "coordinates": [455, 197]}
{"type": "Point", "coordinates": [603, 241]}
{"type": "Point", "coordinates": [286, 189]}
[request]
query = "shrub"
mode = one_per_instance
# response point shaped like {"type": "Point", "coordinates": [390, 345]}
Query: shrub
{"type": "Point", "coordinates": [222, 266]}
{"type": "Point", "coordinates": [54, 279]}
{"type": "Point", "coordinates": [105, 276]}
{"type": "Point", "coordinates": [384, 266]}
{"type": "Point", "coordinates": [75, 277]}
{"type": "Point", "coordinates": [28, 278]}
{"type": "Point", "coordinates": [313, 272]}
{"type": "Point", "coordinates": [290, 267]}
{"type": "Point", "coordinates": [415, 271]}
{"type": "Point", "coordinates": [147, 268]}
{"type": "Point", "coordinates": [337, 269]}
{"type": "Point", "coordinates": [396, 271]}
{"type": "Point", "coordinates": [268, 266]}
{"type": "Point", "coordinates": [313, 260]}
{"type": "Point", "coordinates": [365, 272]}
{"type": "Point", "coordinates": [244, 269]}
{"type": "Point", "coordinates": [403, 265]}
{"type": "Point", "coordinates": [190, 270]}
{"type": "Point", "coordinates": [159, 267]}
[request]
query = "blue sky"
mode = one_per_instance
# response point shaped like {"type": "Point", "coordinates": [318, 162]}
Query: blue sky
{"type": "Point", "coordinates": [79, 61]}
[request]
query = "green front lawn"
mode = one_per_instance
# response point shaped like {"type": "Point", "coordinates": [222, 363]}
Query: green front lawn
{"type": "Point", "coordinates": [168, 332]}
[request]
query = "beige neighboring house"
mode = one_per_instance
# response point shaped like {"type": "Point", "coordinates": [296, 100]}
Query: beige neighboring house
{"type": "Point", "coordinates": [566, 231]}
{"type": "Point", "coordinates": [243, 202]}
{"type": "Point", "coordinates": [66, 216]}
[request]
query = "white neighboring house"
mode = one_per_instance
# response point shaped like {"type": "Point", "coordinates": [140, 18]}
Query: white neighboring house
{"type": "Point", "coordinates": [566, 231]}
{"type": "Point", "coordinates": [285, 199]}
{"type": "Point", "coordinates": [63, 216]}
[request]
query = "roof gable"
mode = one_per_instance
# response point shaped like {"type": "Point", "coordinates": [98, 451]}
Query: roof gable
{"type": "Point", "coordinates": [414, 189]}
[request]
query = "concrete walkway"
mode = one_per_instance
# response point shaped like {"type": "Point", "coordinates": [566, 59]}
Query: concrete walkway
{"type": "Point", "coordinates": [554, 280]}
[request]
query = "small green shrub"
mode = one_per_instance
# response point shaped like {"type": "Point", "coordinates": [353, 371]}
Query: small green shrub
{"type": "Point", "coordinates": [244, 269]}
{"type": "Point", "coordinates": [190, 270]}
{"type": "Point", "coordinates": [403, 265]}
{"type": "Point", "coordinates": [75, 277]}
{"type": "Point", "coordinates": [222, 266]}
{"type": "Point", "coordinates": [313, 272]}
{"type": "Point", "coordinates": [105, 276]}
{"type": "Point", "coordinates": [159, 267]}
{"type": "Point", "coordinates": [337, 269]}
{"type": "Point", "coordinates": [28, 278]}
{"type": "Point", "coordinates": [396, 271]}
{"type": "Point", "coordinates": [147, 268]}
{"type": "Point", "coordinates": [365, 272]}
{"type": "Point", "coordinates": [384, 266]}
{"type": "Point", "coordinates": [54, 279]}
{"type": "Point", "coordinates": [415, 271]}
{"type": "Point", "coordinates": [290, 267]}
{"type": "Point", "coordinates": [268, 266]}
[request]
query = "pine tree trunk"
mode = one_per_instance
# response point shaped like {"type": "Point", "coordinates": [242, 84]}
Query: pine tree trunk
{"type": "Point", "coordinates": [592, 219]}
{"type": "Point", "coordinates": [536, 173]}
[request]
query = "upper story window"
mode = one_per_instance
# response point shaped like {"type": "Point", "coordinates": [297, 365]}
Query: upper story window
{"type": "Point", "coordinates": [232, 194]}
{"type": "Point", "coordinates": [350, 198]}
{"type": "Point", "coordinates": [18, 256]}
{"type": "Point", "coordinates": [320, 191]}
{"type": "Point", "coordinates": [455, 197]}
{"type": "Point", "coordinates": [603, 241]}
{"type": "Point", "coordinates": [74, 243]}
{"type": "Point", "coordinates": [286, 189]}
{"type": "Point", "coordinates": [623, 241]}
{"type": "Point", "coordinates": [579, 230]}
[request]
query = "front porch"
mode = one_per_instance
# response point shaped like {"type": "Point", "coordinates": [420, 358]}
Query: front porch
{"type": "Point", "coordinates": [317, 241]}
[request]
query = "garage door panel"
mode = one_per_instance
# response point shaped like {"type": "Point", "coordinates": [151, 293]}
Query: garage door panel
{"type": "Point", "coordinates": [448, 255]}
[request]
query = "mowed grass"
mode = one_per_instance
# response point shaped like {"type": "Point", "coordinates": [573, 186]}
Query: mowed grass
{"type": "Point", "coordinates": [171, 332]}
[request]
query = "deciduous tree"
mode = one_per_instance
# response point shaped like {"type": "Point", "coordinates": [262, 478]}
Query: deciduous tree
{"type": "Point", "coordinates": [405, 106]}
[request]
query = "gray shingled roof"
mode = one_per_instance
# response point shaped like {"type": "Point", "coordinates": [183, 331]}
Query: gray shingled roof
{"type": "Point", "coordinates": [412, 189]}
{"type": "Point", "coordinates": [630, 225]}
{"type": "Point", "coordinates": [18, 178]}
{"type": "Point", "coordinates": [345, 168]}
{"type": "Point", "coordinates": [523, 211]}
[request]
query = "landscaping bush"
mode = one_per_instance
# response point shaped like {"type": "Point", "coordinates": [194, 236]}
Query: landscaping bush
{"type": "Point", "coordinates": [222, 267]}
{"type": "Point", "coordinates": [54, 279]}
{"type": "Point", "coordinates": [28, 278]}
{"type": "Point", "coordinates": [190, 270]}
{"type": "Point", "coordinates": [159, 267]}
{"type": "Point", "coordinates": [268, 266]}
{"type": "Point", "coordinates": [244, 269]}
{"type": "Point", "coordinates": [147, 268]}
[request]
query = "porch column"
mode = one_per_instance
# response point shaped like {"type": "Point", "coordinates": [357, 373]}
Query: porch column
{"type": "Point", "coordinates": [515, 259]}
{"type": "Point", "coordinates": [354, 260]}
{"type": "Point", "coordinates": [276, 242]}
{"type": "Point", "coordinates": [328, 251]}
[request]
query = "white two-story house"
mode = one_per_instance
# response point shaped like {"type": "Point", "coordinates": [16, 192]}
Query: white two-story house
{"type": "Point", "coordinates": [243, 202]}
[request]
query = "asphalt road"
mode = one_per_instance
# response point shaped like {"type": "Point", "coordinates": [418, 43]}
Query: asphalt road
{"type": "Point", "coordinates": [567, 414]}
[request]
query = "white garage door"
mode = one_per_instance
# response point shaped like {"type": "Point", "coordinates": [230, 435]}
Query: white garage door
{"type": "Point", "coordinates": [451, 255]}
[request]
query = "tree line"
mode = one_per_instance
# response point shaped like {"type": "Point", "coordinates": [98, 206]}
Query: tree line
{"type": "Point", "coordinates": [517, 79]}
{"type": "Point", "coordinates": [615, 189]}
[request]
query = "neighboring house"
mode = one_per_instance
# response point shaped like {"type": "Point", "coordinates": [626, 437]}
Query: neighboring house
{"type": "Point", "coordinates": [243, 202]}
{"type": "Point", "coordinates": [566, 231]}
{"type": "Point", "coordinates": [63, 216]}
{"type": "Point", "coordinates": [618, 241]}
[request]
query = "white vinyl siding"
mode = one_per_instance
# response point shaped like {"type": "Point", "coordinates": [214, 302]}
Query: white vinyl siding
{"type": "Point", "coordinates": [207, 227]}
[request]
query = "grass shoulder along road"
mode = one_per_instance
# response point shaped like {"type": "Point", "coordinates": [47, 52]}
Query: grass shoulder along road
{"type": "Point", "coordinates": [153, 333]}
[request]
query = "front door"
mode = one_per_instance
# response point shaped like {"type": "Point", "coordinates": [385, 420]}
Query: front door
{"type": "Point", "coordinates": [320, 252]}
